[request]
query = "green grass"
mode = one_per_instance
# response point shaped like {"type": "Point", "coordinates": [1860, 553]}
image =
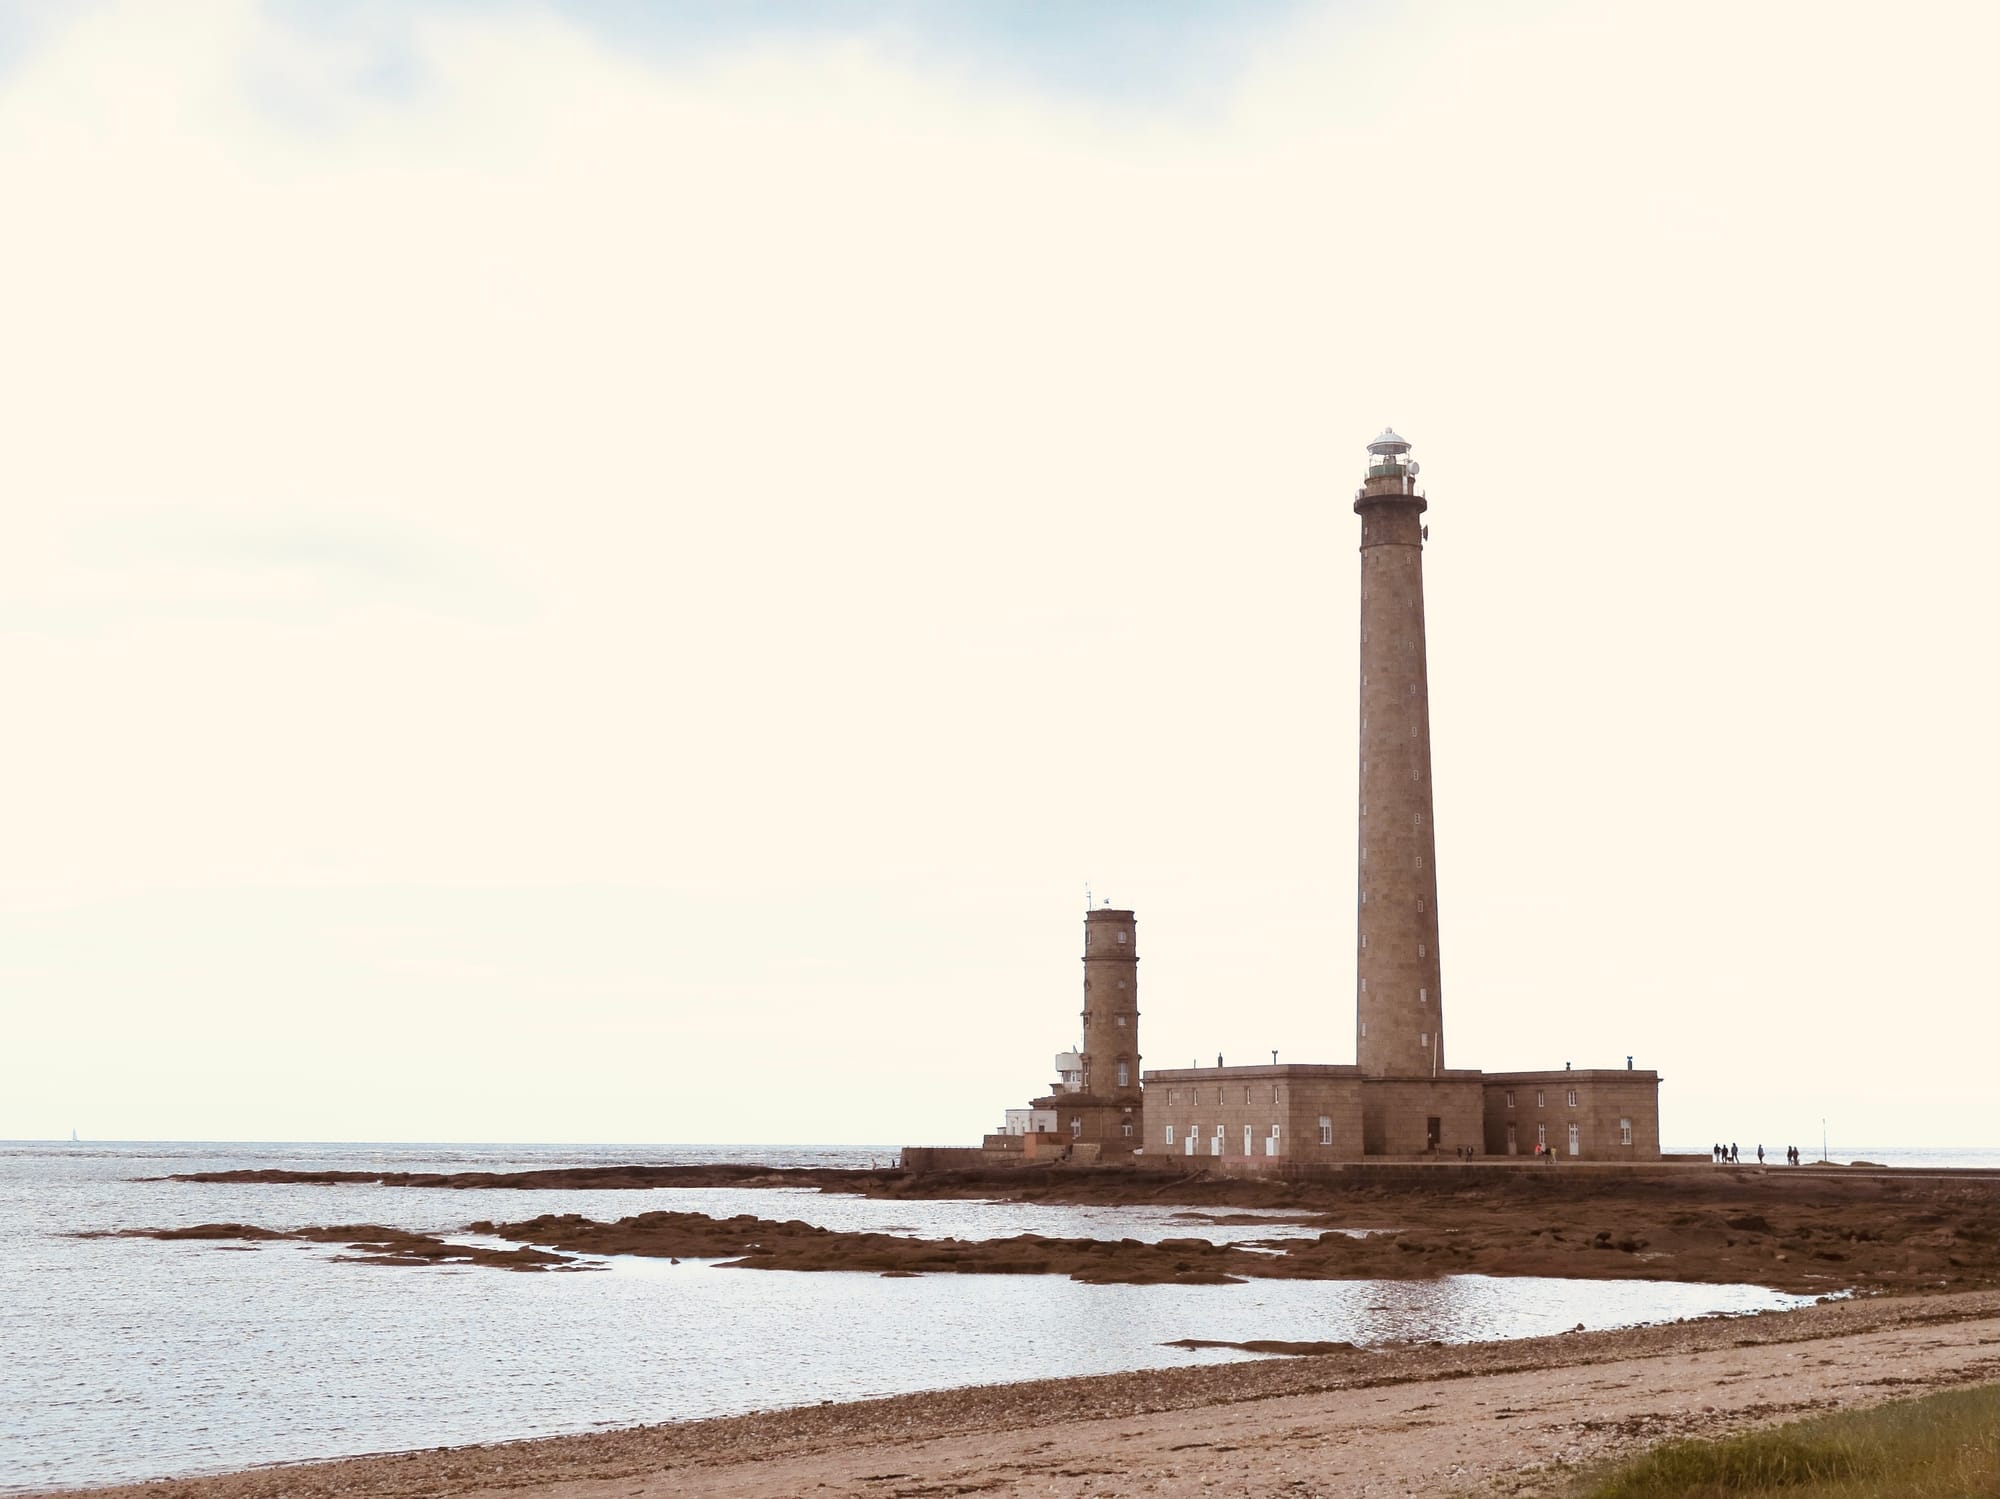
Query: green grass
{"type": "Point", "coordinates": [1944, 1446]}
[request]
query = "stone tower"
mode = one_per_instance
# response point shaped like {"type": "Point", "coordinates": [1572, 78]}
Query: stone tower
{"type": "Point", "coordinates": [1111, 1012]}
{"type": "Point", "coordinates": [1399, 1002]}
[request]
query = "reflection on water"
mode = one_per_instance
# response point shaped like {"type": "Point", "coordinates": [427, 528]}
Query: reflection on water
{"type": "Point", "coordinates": [132, 1358]}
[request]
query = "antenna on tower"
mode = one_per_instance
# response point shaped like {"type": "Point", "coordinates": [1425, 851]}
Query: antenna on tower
{"type": "Point", "coordinates": [1086, 895]}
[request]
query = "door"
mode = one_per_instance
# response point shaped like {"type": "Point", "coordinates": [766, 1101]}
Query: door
{"type": "Point", "coordinates": [1271, 1141]}
{"type": "Point", "coordinates": [1246, 1141]}
{"type": "Point", "coordinates": [1575, 1145]}
{"type": "Point", "coordinates": [1433, 1132]}
{"type": "Point", "coordinates": [1191, 1138]}
{"type": "Point", "coordinates": [1215, 1142]}
{"type": "Point", "coordinates": [1512, 1147]}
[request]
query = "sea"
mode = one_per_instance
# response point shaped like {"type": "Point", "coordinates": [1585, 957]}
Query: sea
{"type": "Point", "coordinates": [125, 1359]}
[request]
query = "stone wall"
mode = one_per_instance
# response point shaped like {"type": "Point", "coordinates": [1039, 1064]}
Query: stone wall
{"type": "Point", "coordinates": [1257, 1113]}
{"type": "Point", "coordinates": [1396, 1114]}
{"type": "Point", "coordinates": [1604, 1104]}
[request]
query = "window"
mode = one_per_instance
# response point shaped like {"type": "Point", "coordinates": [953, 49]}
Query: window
{"type": "Point", "coordinates": [1124, 1074]}
{"type": "Point", "coordinates": [1121, 938]}
{"type": "Point", "coordinates": [1572, 1098]}
{"type": "Point", "coordinates": [1121, 1022]}
{"type": "Point", "coordinates": [1364, 1030]}
{"type": "Point", "coordinates": [1325, 1130]}
{"type": "Point", "coordinates": [1423, 1038]}
{"type": "Point", "coordinates": [1423, 995]}
{"type": "Point", "coordinates": [1170, 1128]}
{"type": "Point", "coordinates": [1542, 1136]}
{"type": "Point", "coordinates": [1125, 1128]}
{"type": "Point", "coordinates": [1364, 939]}
{"type": "Point", "coordinates": [1420, 816]}
{"type": "Point", "coordinates": [1624, 1131]}
{"type": "Point", "coordinates": [1541, 1100]}
{"type": "Point", "coordinates": [1420, 950]}
{"type": "Point", "coordinates": [1197, 1098]}
{"type": "Point", "coordinates": [1510, 1098]}
{"type": "Point", "coordinates": [1274, 1094]}
{"type": "Point", "coordinates": [1364, 986]}
{"type": "Point", "coordinates": [1076, 1124]}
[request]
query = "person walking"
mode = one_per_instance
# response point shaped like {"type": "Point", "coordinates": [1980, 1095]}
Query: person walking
{"type": "Point", "coordinates": [1734, 1154]}
{"type": "Point", "coordinates": [1760, 1155]}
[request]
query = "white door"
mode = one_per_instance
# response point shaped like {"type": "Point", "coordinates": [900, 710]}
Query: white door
{"type": "Point", "coordinates": [1191, 1138]}
{"type": "Point", "coordinates": [1246, 1141]}
{"type": "Point", "coordinates": [1215, 1142]}
{"type": "Point", "coordinates": [1271, 1141]}
{"type": "Point", "coordinates": [1575, 1147]}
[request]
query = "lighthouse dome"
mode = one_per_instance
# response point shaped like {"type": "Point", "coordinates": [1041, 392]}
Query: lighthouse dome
{"type": "Point", "coordinates": [1389, 442]}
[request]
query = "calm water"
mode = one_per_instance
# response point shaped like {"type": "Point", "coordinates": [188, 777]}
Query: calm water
{"type": "Point", "coordinates": [133, 1358]}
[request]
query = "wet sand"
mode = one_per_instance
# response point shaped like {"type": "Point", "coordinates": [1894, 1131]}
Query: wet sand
{"type": "Point", "coordinates": [1510, 1418]}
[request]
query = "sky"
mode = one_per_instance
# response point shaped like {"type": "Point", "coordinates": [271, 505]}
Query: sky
{"type": "Point", "coordinates": [613, 572]}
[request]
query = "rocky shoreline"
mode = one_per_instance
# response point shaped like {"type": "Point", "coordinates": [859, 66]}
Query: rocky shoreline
{"type": "Point", "coordinates": [1796, 1231]}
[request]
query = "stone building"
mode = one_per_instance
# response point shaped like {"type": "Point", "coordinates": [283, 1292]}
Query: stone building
{"type": "Point", "coordinates": [1399, 1099]}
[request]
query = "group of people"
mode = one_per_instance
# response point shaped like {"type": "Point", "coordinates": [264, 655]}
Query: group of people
{"type": "Point", "coordinates": [1727, 1155]}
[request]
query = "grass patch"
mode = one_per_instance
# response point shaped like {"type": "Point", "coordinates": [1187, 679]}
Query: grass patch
{"type": "Point", "coordinates": [1944, 1446]}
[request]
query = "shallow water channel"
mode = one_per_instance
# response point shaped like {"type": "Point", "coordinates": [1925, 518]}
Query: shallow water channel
{"type": "Point", "coordinates": [131, 1358]}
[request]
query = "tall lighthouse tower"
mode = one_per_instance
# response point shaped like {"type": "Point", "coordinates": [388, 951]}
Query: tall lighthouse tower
{"type": "Point", "coordinates": [1399, 1001]}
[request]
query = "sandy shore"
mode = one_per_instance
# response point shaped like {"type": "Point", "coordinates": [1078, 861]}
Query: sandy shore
{"type": "Point", "coordinates": [1508, 1418]}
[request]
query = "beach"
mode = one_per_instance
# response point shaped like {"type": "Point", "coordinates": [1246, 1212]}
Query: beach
{"type": "Point", "coordinates": [1514, 1418]}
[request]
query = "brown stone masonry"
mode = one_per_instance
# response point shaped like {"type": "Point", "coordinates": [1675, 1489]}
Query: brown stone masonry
{"type": "Point", "coordinates": [1399, 998]}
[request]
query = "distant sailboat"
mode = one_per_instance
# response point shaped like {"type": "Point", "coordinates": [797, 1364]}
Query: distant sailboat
{"type": "Point", "coordinates": [72, 1137]}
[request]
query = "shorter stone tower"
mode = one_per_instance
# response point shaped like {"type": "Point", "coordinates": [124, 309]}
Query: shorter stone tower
{"type": "Point", "coordinates": [1103, 1117]}
{"type": "Point", "coordinates": [1111, 1007]}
